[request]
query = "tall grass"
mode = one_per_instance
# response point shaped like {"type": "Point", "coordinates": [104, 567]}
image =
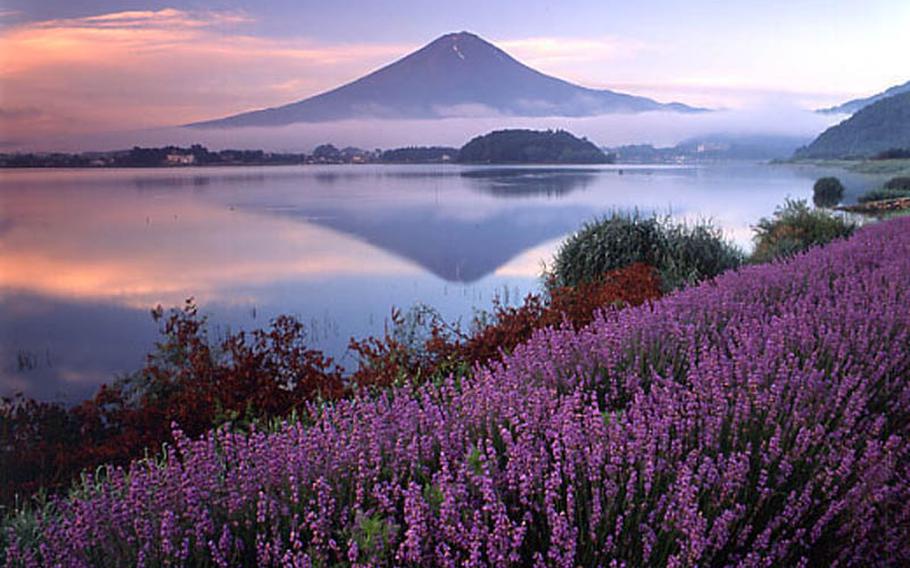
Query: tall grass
{"type": "Point", "coordinates": [682, 253]}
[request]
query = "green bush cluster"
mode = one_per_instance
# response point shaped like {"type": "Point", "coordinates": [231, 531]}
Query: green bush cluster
{"type": "Point", "coordinates": [895, 188]}
{"type": "Point", "coordinates": [682, 253]}
{"type": "Point", "coordinates": [898, 183]}
{"type": "Point", "coordinates": [795, 227]}
{"type": "Point", "coordinates": [883, 195]}
{"type": "Point", "coordinates": [827, 192]}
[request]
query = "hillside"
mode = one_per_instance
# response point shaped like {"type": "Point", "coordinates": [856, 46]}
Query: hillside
{"type": "Point", "coordinates": [851, 107]}
{"type": "Point", "coordinates": [458, 74]}
{"type": "Point", "coordinates": [531, 147]}
{"type": "Point", "coordinates": [881, 126]}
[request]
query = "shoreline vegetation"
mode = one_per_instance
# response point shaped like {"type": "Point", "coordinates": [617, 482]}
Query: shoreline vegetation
{"type": "Point", "coordinates": [498, 147]}
{"type": "Point", "coordinates": [885, 167]}
{"type": "Point", "coordinates": [878, 207]}
{"type": "Point", "coordinates": [893, 198]}
{"type": "Point", "coordinates": [580, 427]}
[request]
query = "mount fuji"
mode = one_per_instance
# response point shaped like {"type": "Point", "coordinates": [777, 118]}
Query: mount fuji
{"type": "Point", "coordinates": [458, 74]}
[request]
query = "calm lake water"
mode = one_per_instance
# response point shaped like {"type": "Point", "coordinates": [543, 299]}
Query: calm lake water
{"type": "Point", "coordinates": [85, 254]}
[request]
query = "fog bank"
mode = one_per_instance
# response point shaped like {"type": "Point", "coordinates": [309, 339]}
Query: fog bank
{"type": "Point", "coordinates": [657, 128]}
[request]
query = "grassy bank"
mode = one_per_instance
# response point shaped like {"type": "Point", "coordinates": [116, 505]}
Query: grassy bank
{"type": "Point", "coordinates": [881, 167]}
{"type": "Point", "coordinates": [870, 167]}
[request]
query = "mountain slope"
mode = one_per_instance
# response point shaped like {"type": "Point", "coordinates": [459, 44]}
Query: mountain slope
{"type": "Point", "coordinates": [851, 107]}
{"type": "Point", "coordinates": [456, 75]}
{"type": "Point", "coordinates": [878, 127]}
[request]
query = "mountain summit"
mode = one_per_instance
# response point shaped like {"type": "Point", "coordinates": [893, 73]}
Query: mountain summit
{"type": "Point", "coordinates": [458, 74]}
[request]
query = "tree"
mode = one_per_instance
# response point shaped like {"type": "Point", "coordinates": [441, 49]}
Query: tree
{"type": "Point", "coordinates": [327, 153]}
{"type": "Point", "coordinates": [827, 192]}
{"type": "Point", "coordinates": [898, 183]}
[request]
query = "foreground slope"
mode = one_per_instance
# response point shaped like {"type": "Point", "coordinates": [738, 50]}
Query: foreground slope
{"type": "Point", "coordinates": [458, 74]}
{"type": "Point", "coordinates": [759, 419]}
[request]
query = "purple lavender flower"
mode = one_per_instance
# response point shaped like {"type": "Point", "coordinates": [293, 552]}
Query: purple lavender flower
{"type": "Point", "coordinates": [759, 419]}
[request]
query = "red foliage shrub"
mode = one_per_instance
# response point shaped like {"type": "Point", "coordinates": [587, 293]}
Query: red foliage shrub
{"type": "Point", "coordinates": [186, 380]}
{"type": "Point", "coordinates": [383, 361]}
{"type": "Point", "coordinates": [575, 306]}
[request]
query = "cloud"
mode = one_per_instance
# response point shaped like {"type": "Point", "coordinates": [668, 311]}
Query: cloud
{"type": "Point", "coordinates": [145, 19]}
{"type": "Point", "coordinates": [138, 69]}
{"type": "Point", "coordinates": [659, 128]}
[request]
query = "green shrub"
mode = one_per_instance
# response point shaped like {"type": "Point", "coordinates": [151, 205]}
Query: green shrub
{"type": "Point", "coordinates": [883, 194]}
{"type": "Point", "coordinates": [898, 183]}
{"type": "Point", "coordinates": [827, 192]}
{"type": "Point", "coordinates": [682, 254]}
{"type": "Point", "coordinates": [795, 227]}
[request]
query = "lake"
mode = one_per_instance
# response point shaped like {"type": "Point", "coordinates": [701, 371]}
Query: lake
{"type": "Point", "coordinates": [85, 254]}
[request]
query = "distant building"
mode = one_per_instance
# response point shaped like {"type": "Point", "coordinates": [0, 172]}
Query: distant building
{"type": "Point", "coordinates": [180, 159]}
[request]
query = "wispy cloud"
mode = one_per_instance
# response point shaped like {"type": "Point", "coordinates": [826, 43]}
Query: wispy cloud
{"type": "Point", "coordinates": [145, 19]}
{"type": "Point", "coordinates": [136, 69]}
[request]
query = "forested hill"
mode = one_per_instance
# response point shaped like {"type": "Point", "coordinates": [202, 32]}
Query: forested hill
{"type": "Point", "coordinates": [881, 126]}
{"type": "Point", "coordinates": [531, 147]}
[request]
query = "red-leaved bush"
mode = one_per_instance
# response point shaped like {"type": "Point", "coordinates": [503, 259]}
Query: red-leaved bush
{"type": "Point", "coordinates": [386, 360]}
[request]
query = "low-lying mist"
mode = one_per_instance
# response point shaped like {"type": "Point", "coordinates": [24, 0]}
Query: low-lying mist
{"type": "Point", "coordinates": [657, 128]}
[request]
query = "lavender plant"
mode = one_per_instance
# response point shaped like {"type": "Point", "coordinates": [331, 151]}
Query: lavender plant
{"type": "Point", "coordinates": [760, 419]}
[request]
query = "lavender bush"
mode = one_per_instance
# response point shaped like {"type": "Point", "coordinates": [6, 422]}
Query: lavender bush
{"type": "Point", "coordinates": [759, 419]}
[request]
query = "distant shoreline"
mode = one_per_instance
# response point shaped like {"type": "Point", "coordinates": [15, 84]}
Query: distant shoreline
{"type": "Point", "coordinates": [872, 167]}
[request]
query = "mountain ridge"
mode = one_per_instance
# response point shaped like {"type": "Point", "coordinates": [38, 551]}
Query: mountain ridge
{"type": "Point", "coordinates": [457, 74]}
{"type": "Point", "coordinates": [879, 127]}
{"type": "Point", "coordinates": [852, 106]}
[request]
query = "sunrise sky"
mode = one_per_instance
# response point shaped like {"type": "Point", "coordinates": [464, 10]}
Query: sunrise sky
{"type": "Point", "coordinates": [96, 65]}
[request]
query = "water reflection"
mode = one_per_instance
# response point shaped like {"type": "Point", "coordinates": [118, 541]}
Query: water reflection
{"type": "Point", "coordinates": [59, 349]}
{"type": "Point", "coordinates": [84, 254]}
{"type": "Point", "coordinates": [524, 182]}
{"type": "Point", "coordinates": [196, 181]}
{"type": "Point", "coordinates": [458, 250]}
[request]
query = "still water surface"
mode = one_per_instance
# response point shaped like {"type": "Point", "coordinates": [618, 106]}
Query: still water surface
{"type": "Point", "coordinates": [85, 254]}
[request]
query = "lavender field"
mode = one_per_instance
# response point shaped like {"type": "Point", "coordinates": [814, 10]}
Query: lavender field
{"type": "Point", "coordinates": [758, 419]}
